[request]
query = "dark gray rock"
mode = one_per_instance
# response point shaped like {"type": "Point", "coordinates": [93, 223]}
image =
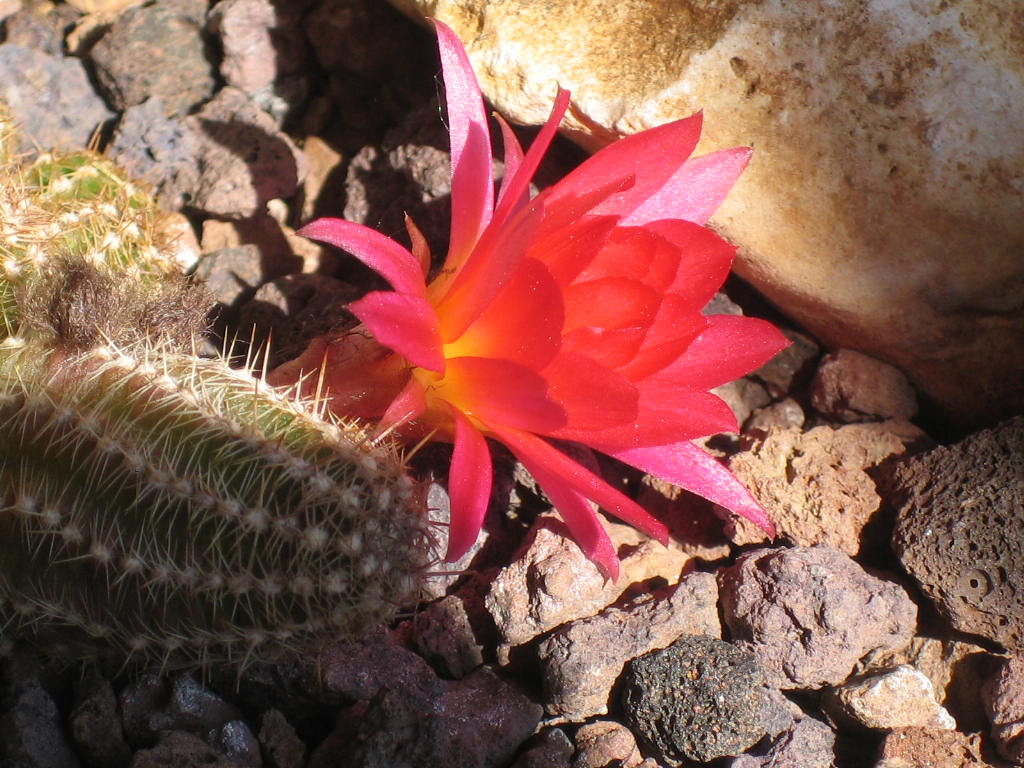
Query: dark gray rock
{"type": "Point", "coordinates": [31, 732]}
{"type": "Point", "coordinates": [960, 521]}
{"type": "Point", "coordinates": [50, 99]}
{"type": "Point", "coordinates": [238, 742]}
{"type": "Point", "coordinates": [156, 49]}
{"type": "Point", "coordinates": [444, 636]}
{"type": "Point", "coordinates": [152, 705]}
{"type": "Point", "coordinates": [810, 613]}
{"type": "Point", "coordinates": [177, 749]}
{"type": "Point", "coordinates": [698, 699]}
{"type": "Point", "coordinates": [96, 724]}
{"type": "Point", "coordinates": [581, 661]}
{"type": "Point", "coordinates": [478, 722]}
{"type": "Point", "coordinates": [282, 747]}
{"type": "Point", "coordinates": [160, 150]}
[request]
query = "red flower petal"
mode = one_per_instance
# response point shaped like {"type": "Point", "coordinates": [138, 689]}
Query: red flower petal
{"type": "Point", "coordinates": [696, 190]}
{"type": "Point", "coordinates": [583, 523]}
{"type": "Point", "coordinates": [593, 396]}
{"type": "Point", "coordinates": [533, 451]}
{"type": "Point", "coordinates": [687, 466]}
{"type": "Point", "coordinates": [609, 348]}
{"type": "Point", "coordinates": [469, 486]}
{"type": "Point", "coordinates": [406, 324]}
{"type": "Point", "coordinates": [610, 302]}
{"type": "Point", "coordinates": [522, 324]}
{"type": "Point", "coordinates": [472, 182]}
{"type": "Point", "coordinates": [731, 346]}
{"type": "Point", "coordinates": [651, 157]}
{"type": "Point", "coordinates": [500, 392]}
{"type": "Point", "coordinates": [411, 403]}
{"type": "Point", "coordinates": [704, 263]}
{"type": "Point", "coordinates": [381, 254]}
{"type": "Point", "coordinates": [513, 159]}
{"type": "Point", "coordinates": [675, 326]}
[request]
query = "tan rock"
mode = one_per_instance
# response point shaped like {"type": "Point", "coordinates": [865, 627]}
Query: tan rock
{"type": "Point", "coordinates": [882, 206]}
{"type": "Point", "coordinates": [898, 698]}
{"type": "Point", "coordinates": [814, 485]}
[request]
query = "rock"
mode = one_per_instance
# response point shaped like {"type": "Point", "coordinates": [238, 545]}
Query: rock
{"type": "Point", "coordinates": [743, 396]}
{"type": "Point", "coordinates": [264, 51]}
{"type": "Point", "coordinates": [958, 507]}
{"type": "Point", "coordinates": [809, 613]}
{"type": "Point", "coordinates": [850, 386]}
{"type": "Point", "coordinates": [444, 636]}
{"type": "Point", "coordinates": [156, 49]}
{"type": "Point", "coordinates": [806, 743]}
{"type": "Point", "coordinates": [581, 661]}
{"type": "Point", "coordinates": [9, 8]}
{"type": "Point", "coordinates": [282, 748]}
{"type": "Point", "coordinates": [40, 26]}
{"type": "Point", "coordinates": [244, 160]}
{"type": "Point", "coordinates": [698, 699]}
{"type": "Point", "coordinates": [881, 208]}
{"type": "Point", "coordinates": [785, 414]}
{"type": "Point", "coordinates": [162, 150]}
{"type": "Point", "coordinates": [182, 750]}
{"type": "Point", "coordinates": [479, 722]}
{"type": "Point", "coordinates": [31, 735]}
{"type": "Point", "coordinates": [551, 748]}
{"type": "Point", "coordinates": [930, 748]}
{"type": "Point", "coordinates": [956, 670]}
{"type": "Point", "coordinates": [96, 724]}
{"type": "Point", "coordinates": [551, 582]}
{"type": "Point", "coordinates": [50, 99]}
{"type": "Point", "coordinates": [358, 671]}
{"type": "Point", "coordinates": [603, 743]}
{"type": "Point", "coordinates": [1003, 695]}
{"type": "Point", "coordinates": [902, 697]}
{"type": "Point", "coordinates": [814, 485]}
{"type": "Point", "coordinates": [792, 367]}
{"type": "Point", "coordinates": [152, 705]}
{"type": "Point", "coordinates": [238, 742]}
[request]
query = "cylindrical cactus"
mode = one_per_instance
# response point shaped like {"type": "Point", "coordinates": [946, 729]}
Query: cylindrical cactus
{"type": "Point", "coordinates": [153, 502]}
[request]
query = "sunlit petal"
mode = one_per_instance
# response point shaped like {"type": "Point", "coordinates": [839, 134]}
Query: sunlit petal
{"type": "Point", "coordinates": [501, 392]}
{"type": "Point", "coordinates": [406, 324]}
{"type": "Point", "coordinates": [381, 254]}
{"type": "Point", "coordinates": [469, 486]}
{"type": "Point", "coordinates": [687, 466]}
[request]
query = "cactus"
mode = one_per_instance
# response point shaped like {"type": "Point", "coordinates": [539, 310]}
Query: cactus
{"type": "Point", "coordinates": [158, 504]}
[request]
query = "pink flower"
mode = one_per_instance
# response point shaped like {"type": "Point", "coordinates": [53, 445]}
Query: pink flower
{"type": "Point", "coordinates": [572, 316]}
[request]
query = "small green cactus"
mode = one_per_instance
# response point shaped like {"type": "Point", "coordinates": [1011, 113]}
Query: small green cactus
{"type": "Point", "coordinates": [154, 503]}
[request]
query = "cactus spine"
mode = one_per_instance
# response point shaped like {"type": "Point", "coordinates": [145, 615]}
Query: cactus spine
{"type": "Point", "coordinates": [152, 502]}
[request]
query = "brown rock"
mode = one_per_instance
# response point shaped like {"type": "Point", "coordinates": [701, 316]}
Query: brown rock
{"type": "Point", "coordinates": [551, 582]}
{"type": "Point", "coordinates": [809, 614]}
{"type": "Point", "coordinates": [850, 386]}
{"type": "Point", "coordinates": [603, 743]}
{"type": "Point", "coordinates": [785, 414]}
{"type": "Point", "coordinates": [443, 635]}
{"type": "Point", "coordinates": [921, 747]}
{"type": "Point", "coordinates": [805, 743]}
{"type": "Point", "coordinates": [960, 521]}
{"type": "Point", "coordinates": [814, 485]}
{"type": "Point", "coordinates": [1004, 703]}
{"type": "Point", "coordinates": [881, 209]}
{"type": "Point", "coordinates": [182, 750]}
{"type": "Point", "coordinates": [581, 661]}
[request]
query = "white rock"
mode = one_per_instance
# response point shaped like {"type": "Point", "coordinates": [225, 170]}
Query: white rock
{"type": "Point", "coordinates": [902, 697]}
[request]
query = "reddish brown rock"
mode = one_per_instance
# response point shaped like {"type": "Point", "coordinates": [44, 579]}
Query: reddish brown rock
{"type": "Point", "coordinates": [814, 485]}
{"type": "Point", "coordinates": [1004, 703]}
{"type": "Point", "coordinates": [917, 747]}
{"type": "Point", "coordinates": [850, 386]}
{"type": "Point", "coordinates": [959, 524]}
{"type": "Point", "coordinates": [810, 613]}
{"type": "Point", "coordinates": [581, 661]}
{"type": "Point", "coordinates": [603, 743]}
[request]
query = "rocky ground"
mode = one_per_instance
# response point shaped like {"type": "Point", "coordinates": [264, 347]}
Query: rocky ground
{"type": "Point", "coordinates": [882, 628]}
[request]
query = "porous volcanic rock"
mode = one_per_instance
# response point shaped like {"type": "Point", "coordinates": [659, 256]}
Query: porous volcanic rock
{"type": "Point", "coordinates": [960, 521]}
{"type": "Point", "coordinates": [881, 208]}
{"type": "Point", "coordinates": [810, 613]}
{"type": "Point", "coordinates": [933, 748]}
{"type": "Point", "coordinates": [698, 699]}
